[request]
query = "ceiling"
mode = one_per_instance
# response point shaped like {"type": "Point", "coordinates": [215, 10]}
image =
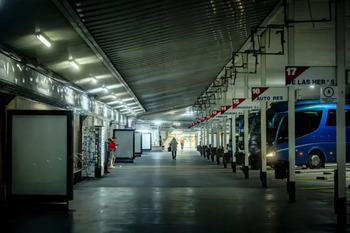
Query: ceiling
{"type": "Point", "coordinates": [168, 52]}
{"type": "Point", "coordinates": [158, 56]}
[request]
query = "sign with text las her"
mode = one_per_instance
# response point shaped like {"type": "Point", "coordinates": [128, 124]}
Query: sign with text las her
{"type": "Point", "coordinates": [272, 94]}
{"type": "Point", "coordinates": [310, 75]}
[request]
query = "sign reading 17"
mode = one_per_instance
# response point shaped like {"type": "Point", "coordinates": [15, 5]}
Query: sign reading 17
{"type": "Point", "coordinates": [291, 71]}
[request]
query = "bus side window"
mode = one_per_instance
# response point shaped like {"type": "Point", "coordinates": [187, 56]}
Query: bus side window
{"type": "Point", "coordinates": [283, 131]}
{"type": "Point", "coordinates": [332, 120]}
{"type": "Point", "coordinates": [307, 122]}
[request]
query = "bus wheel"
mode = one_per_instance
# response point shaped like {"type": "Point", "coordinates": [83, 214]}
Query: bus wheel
{"type": "Point", "coordinates": [315, 160]}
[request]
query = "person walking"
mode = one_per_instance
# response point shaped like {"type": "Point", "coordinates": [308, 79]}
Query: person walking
{"type": "Point", "coordinates": [173, 145]}
{"type": "Point", "coordinates": [182, 142]}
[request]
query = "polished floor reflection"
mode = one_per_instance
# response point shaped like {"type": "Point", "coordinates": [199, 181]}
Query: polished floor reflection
{"type": "Point", "coordinates": [156, 194]}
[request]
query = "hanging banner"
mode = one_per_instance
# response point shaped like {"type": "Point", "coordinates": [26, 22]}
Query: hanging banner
{"type": "Point", "coordinates": [244, 104]}
{"type": "Point", "coordinates": [310, 75]}
{"type": "Point", "coordinates": [272, 94]}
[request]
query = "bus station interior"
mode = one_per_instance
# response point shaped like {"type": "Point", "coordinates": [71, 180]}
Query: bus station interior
{"type": "Point", "coordinates": [242, 83]}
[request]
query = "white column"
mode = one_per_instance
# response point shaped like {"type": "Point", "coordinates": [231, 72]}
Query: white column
{"type": "Point", "coordinates": [340, 118]}
{"type": "Point", "coordinates": [217, 135]}
{"type": "Point", "coordinates": [208, 125]}
{"type": "Point", "coordinates": [263, 115]}
{"type": "Point", "coordinates": [233, 138]}
{"type": "Point", "coordinates": [291, 109]}
{"type": "Point", "coordinates": [225, 136]}
{"type": "Point", "coordinates": [246, 124]}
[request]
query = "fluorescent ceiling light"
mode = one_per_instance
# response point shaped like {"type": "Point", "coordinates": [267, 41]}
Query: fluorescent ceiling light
{"type": "Point", "coordinates": [44, 40]}
{"type": "Point", "coordinates": [158, 122]}
{"type": "Point", "coordinates": [94, 80]}
{"type": "Point", "coordinates": [127, 99]}
{"type": "Point", "coordinates": [104, 88]}
{"type": "Point", "coordinates": [115, 102]}
{"type": "Point", "coordinates": [114, 86]}
{"type": "Point", "coordinates": [73, 63]}
{"type": "Point", "coordinates": [131, 104]}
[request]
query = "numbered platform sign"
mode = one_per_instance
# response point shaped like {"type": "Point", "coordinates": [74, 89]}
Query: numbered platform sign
{"type": "Point", "coordinates": [228, 111]}
{"type": "Point", "coordinates": [310, 75]}
{"type": "Point", "coordinates": [244, 104]}
{"type": "Point", "coordinates": [272, 94]}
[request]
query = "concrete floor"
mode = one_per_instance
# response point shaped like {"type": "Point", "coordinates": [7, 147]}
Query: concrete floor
{"type": "Point", "coordinates": [156, 194]}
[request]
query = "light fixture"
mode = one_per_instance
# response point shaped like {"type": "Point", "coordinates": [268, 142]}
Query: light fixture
{"type": "Point", "coordinates": [94, 80]}
{"type": "Point", "coordinates": [104, 88]}
{"type": "Point", "coordinates": [312, 86]}
{"type": "Point", "coordinates": [43, 40]}
{"type": "Point", "coordinates": [73, 63]}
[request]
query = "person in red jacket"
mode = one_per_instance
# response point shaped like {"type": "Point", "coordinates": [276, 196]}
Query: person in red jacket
{"type": "Point", "coordinates": [112, 147]}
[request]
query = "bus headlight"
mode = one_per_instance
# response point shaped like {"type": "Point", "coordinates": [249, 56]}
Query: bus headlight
{"type": "Point", "coordinates": [271, 154]}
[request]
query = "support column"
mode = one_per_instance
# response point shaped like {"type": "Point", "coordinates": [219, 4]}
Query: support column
{"type": "Point", "coordinates": [263, 173]}
{"type": "Point", "coordinates": [340, 201]}
{"type": "Point", "coordinates": [217, 138]}
{"type": "Point", "coordinates": [208, 127]}
{"type": "Point", "coordinates": [225, 136]}
{"type": "Point", "coordinates": [212, 134]}
{"type": "Point", "coordinates": [233, 130]}
{"type": "Point", "coordinates": [291, 109]}
{"type": "Point", "coordinates": [246, 123]}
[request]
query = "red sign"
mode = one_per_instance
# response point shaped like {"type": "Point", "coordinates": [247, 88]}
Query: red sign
{"type": "Point", "coordinates": [257, 91]}
{"type": "Point", "coordinates": [237, 101]}
{"type": "Point", "coordinates": [214, 113]}
{"type": "Point", "coordinates": [293, 72]}
{"type": "Point", "coordinates": [225, 108]}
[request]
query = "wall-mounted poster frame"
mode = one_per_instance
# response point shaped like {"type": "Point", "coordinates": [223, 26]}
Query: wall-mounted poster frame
{"type": "Point", "coordinates": [125, 151]}
{"type": "Point", "coordinates": [35, 167]}
{"type": "Point", "coordinates": [138, 143]}
{"type": "Point", "coordinates": [146, 141]}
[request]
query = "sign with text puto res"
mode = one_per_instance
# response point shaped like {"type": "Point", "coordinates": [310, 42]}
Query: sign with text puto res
{"type": "Point", "coordinates": [310, 75]}
{"type": "Point", "coordinates": [244, 104]}
{"type": "Point", "coordinates": [272, 94]}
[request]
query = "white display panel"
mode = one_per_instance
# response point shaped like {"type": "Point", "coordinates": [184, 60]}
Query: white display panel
{"type": "Point", "coordinates": [39, 155]}
{"type": "Point", "coordinates": [125, 142]}
{"type": "Point", "coordinates": [146, 141]}
{"type": "Point", "coordinates": [138, 141]}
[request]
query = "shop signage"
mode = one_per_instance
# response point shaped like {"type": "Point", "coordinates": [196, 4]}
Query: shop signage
{"type": "Point", "coordinates": [310, 75]}
{"type": "Point", "coordinates": [272, 94]}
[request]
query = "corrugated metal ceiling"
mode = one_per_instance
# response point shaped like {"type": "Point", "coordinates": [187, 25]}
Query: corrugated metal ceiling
{"type": "Point", "coordinates": [170, 51]}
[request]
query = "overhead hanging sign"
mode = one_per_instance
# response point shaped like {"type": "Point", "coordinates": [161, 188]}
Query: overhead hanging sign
{"type": "Point", "coordinates": [272, 94]}
{"type": "Point", "coordinates": [244, 104]}
{"type": "Point", "coordinates": [329, 95]}
{"type": "Point", "coordinates": [214, 113]}
{"type": "Point", "coordinates": [310, 75]}
{"type": "Point", "coordinates": [228, 111]}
